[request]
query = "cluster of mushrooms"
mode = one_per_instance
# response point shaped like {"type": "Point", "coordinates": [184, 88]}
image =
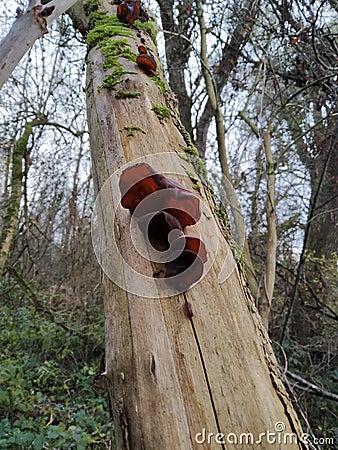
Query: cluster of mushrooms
{"type": "Point", "coordinates": [127, 12]}
{"type": "Point", "coordinates": [162, 218]}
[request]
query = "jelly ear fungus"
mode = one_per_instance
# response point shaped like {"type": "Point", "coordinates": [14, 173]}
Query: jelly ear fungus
{"type": "Point", "coordinates": [162, 219]}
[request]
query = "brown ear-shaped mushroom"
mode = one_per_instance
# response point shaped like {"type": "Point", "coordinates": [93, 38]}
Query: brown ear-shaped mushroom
{"type": "Point", "coordinates": [161, 228]}
{"type": "Point", "coordinates": [142, 49]}
{"type": "Point", "coordinates": [83, 30]}
{"type": "Point", "coordinates": [169, 183]}
{"type": "Point", "coordinates": [147, 64]}
{"type": "Point", "coordinates": [180, 202]}
{"type": "Point", "coordinates": [191, 243]}
{"type": "Point", "coordinates": [128, 12]}
{"type": "Point", "coordinates": [123, 11]}
{"type": "Point", "coordinates": [136, 183]}
{"type": "Point", "coordinates": [183, 205]}
{"type": "Point", "coordinates": [140, 180]}
{"type": "Point", "coordinates": [162, 217]}
{"type": "Point", "coordinates": [183, 271]}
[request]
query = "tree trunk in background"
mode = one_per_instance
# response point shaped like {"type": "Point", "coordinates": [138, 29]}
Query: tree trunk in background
{"type": "Point", "coordinates": [178, 52]}
{"type": "Point", "coordinates": [323, 233]}
{"type": "Point", "coordinates": [168, 376]}
{"type": "Point", "coordinates": [10, 211]}
{"type": "Point", "coordinates": [245, 20]}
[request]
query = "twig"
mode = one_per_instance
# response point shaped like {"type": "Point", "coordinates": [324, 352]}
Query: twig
{"type": "Point", "coordinates": [312, 388]}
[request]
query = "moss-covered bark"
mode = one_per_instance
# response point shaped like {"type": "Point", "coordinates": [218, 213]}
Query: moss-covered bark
{"type": "Point", "coordinates": [10, 213]}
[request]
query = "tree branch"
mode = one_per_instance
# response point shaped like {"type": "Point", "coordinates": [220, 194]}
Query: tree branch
{"type": "Point", "coordinates": [249, 122]}
{"type": "Point", "coordinates": [27, 28]}
{"type": "Point", "coordinates": [313, 388]}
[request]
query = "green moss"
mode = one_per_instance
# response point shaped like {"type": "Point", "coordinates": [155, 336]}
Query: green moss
{"type": "Point", "coordinates": [191, 175]}
{"type": "Point", "coordinates": [20, 147]}
{"type": "Point", "coordinates": [17, 175]}
{"type": "Point", "coordinates": [192, 155]}
{"type": "Point", "coordinates": [112, 49]}
{"type": "Point", "coordinates": [194, 179]}
{"type": "Point", "coordinates": [96, 17]}
{"type": "Point", "coordinates": [161, 111]}
{"type": "Point", "coordinates": [111, 80]}
{"type": "Point", "coordinates": [102, 32]}
{"type": "Point", "coordinates": [113, 46]}
{"type": "Point", "coordinates": [131, 130]}
{"type": "Point", "coordinates": [222, 215]}
{"type": "Point", "coordinates": [105, 27]}
{"type": "Point", "coordinates": [191, 151]}
{"type": "Point", "coordinates": [160, 84]}
{"type": "Point", "coordinates": [148, 28]}
{"type": "Point", "coordinates": [90, 6]}
{"type": "Point", "coordinates": [125, 94]}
